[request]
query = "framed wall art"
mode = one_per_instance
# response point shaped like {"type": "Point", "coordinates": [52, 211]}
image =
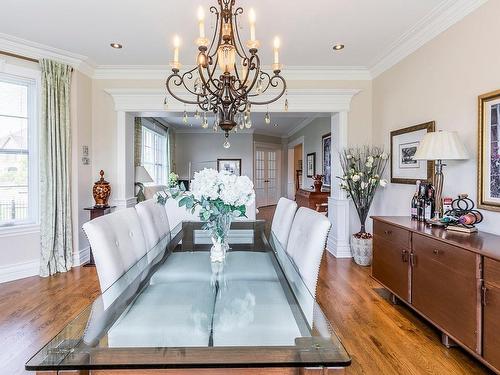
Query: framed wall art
{"type": "Point", "coordinates": [489, 152]}
{"type": "Point", "coordinates": [311, 165]}
{"type": "Point", "coordinates": [404, 142]}
{"type": "Point", "coordinates": [231, 165]}
{"type": "Point", "coordinates": [326, 147]}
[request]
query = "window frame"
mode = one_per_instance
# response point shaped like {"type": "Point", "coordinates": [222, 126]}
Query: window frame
{"type": "Point", "coordinates": [165, 165]}
{"type": "Point", "coordinates": [31, 78]}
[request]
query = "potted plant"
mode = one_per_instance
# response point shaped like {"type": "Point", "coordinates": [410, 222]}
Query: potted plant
{"type": "Point", "coordinates": [363, 168]}
{"type": "Point", "coordinates": [221, 196]}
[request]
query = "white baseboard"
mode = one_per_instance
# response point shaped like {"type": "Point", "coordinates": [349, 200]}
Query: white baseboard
{"type": "Point", "coordinates": [81, 257]}
{"type": "Point", "coordinates": [19, 270]}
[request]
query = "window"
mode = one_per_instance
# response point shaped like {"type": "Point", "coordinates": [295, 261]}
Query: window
{"type": "Point", "coordinates": [155, 152]}
{"type": "Point", "coordinates": [18, 166]}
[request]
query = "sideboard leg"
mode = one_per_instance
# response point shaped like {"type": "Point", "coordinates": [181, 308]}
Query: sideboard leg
{"type": "Point", "coordinates": [321, 371]}
{"type": "Point", "coordinates": [447, 341]}
{"type": "Point", "coordinates": [394, 299]}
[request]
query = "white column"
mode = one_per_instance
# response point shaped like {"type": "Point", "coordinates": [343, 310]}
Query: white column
{"type": "Point", "coordinates": [123, 189]}
{"type": "Point", "coordinates": [338, 204]}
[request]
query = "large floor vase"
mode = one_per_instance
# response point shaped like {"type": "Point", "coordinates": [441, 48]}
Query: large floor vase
{"type": "Point", "coordinates": [362, 250]}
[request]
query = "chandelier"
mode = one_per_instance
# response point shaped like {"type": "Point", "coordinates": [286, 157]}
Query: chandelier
{"type": "Point", "coordinates": [227, 79]}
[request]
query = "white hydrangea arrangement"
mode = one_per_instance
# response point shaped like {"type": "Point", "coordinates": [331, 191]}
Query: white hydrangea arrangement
{"type": "Point", "coordinates": [363, 168]}
{"type": "Point", "coordinates": [221, 197]}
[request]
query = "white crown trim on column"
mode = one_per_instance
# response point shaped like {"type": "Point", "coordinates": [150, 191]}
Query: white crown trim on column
{"type": "Point", "coordinates": [23, 47]}
{"type": "Point", "coordinates": [442, 17]}
{"type": "Point", "coordinates": [301, 100]}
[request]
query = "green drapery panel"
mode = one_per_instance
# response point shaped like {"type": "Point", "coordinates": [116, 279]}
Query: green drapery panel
{"type": "Point", "coordinates": [138, 141]}
{"type": "Point", "coordinates": [55, 162]}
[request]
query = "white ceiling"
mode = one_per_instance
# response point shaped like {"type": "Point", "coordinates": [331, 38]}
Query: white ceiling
{"type": "Point", "coordinates": [368, 28]}
{"type": "Point", "coordinates": [286, 122]}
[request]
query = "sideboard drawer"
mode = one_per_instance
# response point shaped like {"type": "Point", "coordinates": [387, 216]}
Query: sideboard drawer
{"type": "Point", "coordinates": [452, 257]}
{"type": "Point", "coordinates": [398, 236]}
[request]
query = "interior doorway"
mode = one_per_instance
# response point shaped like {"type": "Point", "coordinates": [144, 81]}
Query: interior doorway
{"type": "Point", "coordinates": [267, 174]}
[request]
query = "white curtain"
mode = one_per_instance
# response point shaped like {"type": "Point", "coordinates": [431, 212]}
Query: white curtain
{"type": "Point", "coordinates": [55, 162]}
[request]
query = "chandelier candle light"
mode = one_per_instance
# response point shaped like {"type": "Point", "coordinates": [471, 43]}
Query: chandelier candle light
{"type": "Point", "coordinates": [227, 79]}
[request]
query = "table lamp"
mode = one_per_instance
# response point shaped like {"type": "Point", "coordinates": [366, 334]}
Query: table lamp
{"type": "Point", "coordinates": [440, 146]}
{"type": "Point", "coordinates": [141, 176]}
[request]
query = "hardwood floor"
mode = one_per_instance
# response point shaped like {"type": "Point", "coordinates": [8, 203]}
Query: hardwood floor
{"type": "Point", "coordinates": [381, 338]}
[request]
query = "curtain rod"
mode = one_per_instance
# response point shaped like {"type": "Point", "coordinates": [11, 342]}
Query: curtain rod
{"type": "Point", "coordinates": [19, 56]}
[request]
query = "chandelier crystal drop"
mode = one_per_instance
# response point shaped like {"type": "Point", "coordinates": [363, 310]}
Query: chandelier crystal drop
{"type": "Point", "coordinates": [228, 78]}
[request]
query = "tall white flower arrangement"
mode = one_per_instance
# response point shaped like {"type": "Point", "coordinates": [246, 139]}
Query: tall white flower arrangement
{"type": "Point", "coordinates": [363, 168]}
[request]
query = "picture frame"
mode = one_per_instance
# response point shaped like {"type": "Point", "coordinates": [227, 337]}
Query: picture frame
{"type": "Point", "coordinates": [311, 165]}
{"type": "Point", "coordinates": [231, 165]}
{"type": "Point", "coordinates": [488, 179]}
{"type": "Point", "coordinates": [326, 157]}
{"type": "Point", "coordinates": [404, 142]}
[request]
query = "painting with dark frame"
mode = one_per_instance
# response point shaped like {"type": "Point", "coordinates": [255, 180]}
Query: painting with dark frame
{"type": "Point", "coordinates": [404, 143]}
{"type": "Point", "coordinates": [326, 147]}
{"type": "Point", "coordinates": [231, 165]}
{"type": "Point", "coordinates": [311, 165]}
{"type": "Point", "coordinates": [488, 179]}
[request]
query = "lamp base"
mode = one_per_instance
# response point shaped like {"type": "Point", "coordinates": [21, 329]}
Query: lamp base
{"type": "Point", "coordinates": [438, 184]}
{"type": "Point", "coordinates": [140, 194]}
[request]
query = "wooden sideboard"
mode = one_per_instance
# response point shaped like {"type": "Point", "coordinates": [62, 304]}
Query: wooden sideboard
{"type": "Point", "coordinates": [310, 198]}
{"type": "Point", "coordinates": [452, 279]}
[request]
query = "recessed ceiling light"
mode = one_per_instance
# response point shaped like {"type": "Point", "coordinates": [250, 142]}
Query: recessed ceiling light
{"type": "Point", "coordinates": [116, 45]}
{"type": "Point", "coordinates": [338, 47]}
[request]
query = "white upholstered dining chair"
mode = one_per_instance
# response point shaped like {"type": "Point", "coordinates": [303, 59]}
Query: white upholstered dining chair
{"type": "Point", "coordinates": [306, 244]}
{"type": "Point", "coordinates": [117, 242]}
{"type": "Point", "coordinates": [154, 221]}
{"type": "Point", "coordinates": [282, 220]}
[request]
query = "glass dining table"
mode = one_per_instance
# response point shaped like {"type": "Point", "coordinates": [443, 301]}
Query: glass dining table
{"type": "Point", "coordinates": [174, 309]}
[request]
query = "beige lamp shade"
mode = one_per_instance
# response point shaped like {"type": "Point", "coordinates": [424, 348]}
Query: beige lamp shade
{"type": "Point", "coordinates": [142, 175]}
{"type": "Point", "coordinates": [442, 145]}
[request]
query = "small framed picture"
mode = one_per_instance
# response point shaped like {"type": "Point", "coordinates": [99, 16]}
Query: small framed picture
{"type": "Point", "coordinates": [311, 165]}
{"type": "Point", "coordinates": [404, 143]}
{"type": "Point", "coordinates": [326, 147]}
{"type": "Point", "coordinates": [488, 188]}
{"type": "Point", "coordinates": [230, 165]}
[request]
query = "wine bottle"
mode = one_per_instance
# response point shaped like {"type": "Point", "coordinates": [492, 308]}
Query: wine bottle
{"type": "Point", "coordinates": [414, 203]}
{"type": "Point", "coordinates": [421, 202]}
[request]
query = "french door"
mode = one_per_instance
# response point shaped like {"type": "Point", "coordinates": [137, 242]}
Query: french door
{"type": "Point", "coordinates": [267, 176]}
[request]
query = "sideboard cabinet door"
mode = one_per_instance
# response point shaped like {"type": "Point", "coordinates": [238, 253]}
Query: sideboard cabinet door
{"type": "Point", "coordinates": [444, 287]}
{"type": "Point", "coordinates": [491, 312]}
{"type": "Point", "coordinates": [391, 265]}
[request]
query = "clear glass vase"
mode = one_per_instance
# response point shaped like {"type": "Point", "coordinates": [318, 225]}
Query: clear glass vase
{"type": "Point", "coordinates": [219, 233]}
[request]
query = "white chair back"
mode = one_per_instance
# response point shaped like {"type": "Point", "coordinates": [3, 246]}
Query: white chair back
{"type": "Point", "coordinates": [176, 214]}
{"type": "Point", "coordinates": [154, 221]}
{"type": "Point", "coordinates": [283, 219]}
{"type": "Point", "coordinates": [117, 243]}
{"type": "Point", "coordinates": [306, 244]}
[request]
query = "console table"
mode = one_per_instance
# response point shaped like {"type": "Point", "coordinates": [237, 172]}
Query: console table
{"type": "Point", "coordinates": [452, 279]}
{"type": "Point", "coordinates": [310, 198]}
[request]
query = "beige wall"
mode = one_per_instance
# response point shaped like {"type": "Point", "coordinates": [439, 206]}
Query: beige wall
{"type": "Point", "coordinates": [441, 81]}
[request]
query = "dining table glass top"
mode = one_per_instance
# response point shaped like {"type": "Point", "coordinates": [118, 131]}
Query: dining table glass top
{"type": "Point", "coordinates": [176, 309]}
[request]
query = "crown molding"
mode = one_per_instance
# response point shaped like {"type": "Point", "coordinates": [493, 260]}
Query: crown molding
{"type": "Point", "coordinates": [12, 44]}
{"type": "Point", "coordinates": [301, 100]}
{"type": "Point", "coordinates": [302, 125]}
{"type": "Point", "coordinates": [442, 17]}
{"type": "Point", "coordinates": [291, 73]}
{"type": "Point", "coordinates": [200, 130]}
